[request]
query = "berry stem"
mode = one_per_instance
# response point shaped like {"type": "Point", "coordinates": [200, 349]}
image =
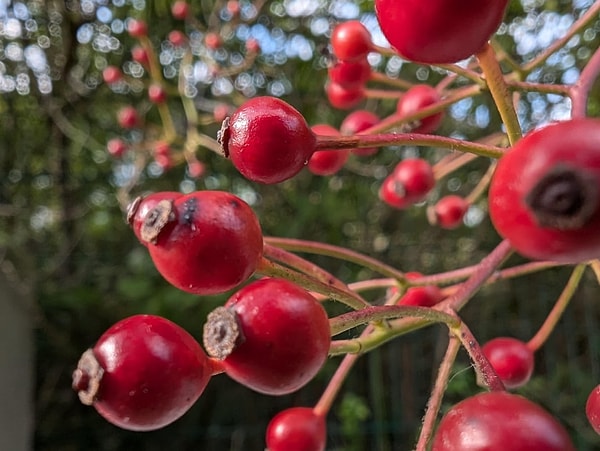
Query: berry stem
{"type": "Point", "coordinates": [500, 93]}
{"type": "Point", "coordinates": [544, 88]}
{"type": "Point", "coordinates": [437, 393]}
{"type": "Point", "coordinates": [272, 269]}
{"type": "Point", "coordinates": [482, 185]}
{"type": "Point", "coordinates": [580, 91]}
{"type": "Point", "coordinates": [538, 340]}
{"type": "Point", "coordinates": [314, 247]}
{"type": "Point", "coordinates": [396, 82]}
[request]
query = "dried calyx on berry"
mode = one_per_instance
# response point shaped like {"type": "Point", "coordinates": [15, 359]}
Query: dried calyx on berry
{"type": "Point", "coordinates": [221, 332]}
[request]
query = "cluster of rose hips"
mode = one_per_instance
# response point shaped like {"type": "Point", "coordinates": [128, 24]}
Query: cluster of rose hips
{"type": "Point", "coordinates": [273, 335]}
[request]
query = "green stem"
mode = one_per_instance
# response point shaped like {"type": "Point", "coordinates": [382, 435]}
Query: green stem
{"type": "Point", "coordinates": [500, 93]}
{"type": "Point", "coordinates": [555, 314]}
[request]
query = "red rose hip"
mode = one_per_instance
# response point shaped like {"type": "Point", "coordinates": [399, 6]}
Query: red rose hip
{"type": "Point", "coordinates": [417, 98]}
{"type": "Point", "coordinates": [205, 242]}
{"type": "Point", "coordinates": [325, 161]}
{"type": "Point", "coordinates": [592, 409]}
{"type": "Point", "coordinates": [143, 373]}
{"type": "Point", "coordinates": [272, 335]}
{"type": "Point", "coordinates": [297, 429]}
{"type": "Point", "coordinates": [511, 359]}
{"type": "Point", "coordinates": [351, 41]}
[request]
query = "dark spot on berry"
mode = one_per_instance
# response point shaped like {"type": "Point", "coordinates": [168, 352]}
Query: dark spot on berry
{"type": "Point", "coordinates": [190, 207]}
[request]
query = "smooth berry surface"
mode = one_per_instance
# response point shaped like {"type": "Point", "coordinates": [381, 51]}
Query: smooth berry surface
{"type": "Point", "coordinates": [417, 98]}
{"type": "Point", "coordinates": [351, 41]}
{"type": "Point", "coordinates": [205, 242]}
{"type": "Point", "coordinates": [592, 409]}
{"type": "Point", "coordinates": [151, 372]}
{"type": "Point", "coordinates": [267, 140]}
{"type": "Point", "coordinates": [439, 31]}
{"type": "Point", "coordinates": [137, 28]}
{"type": "Point", "coordinates": [511, 359]}
{"type": "Point", "coordinates": [327, 162]}
{"type": "Point", "coordinates": [409, 183]}
{"type": "Point", "coordinates": [449, 211]}
{"type": "Point", "coordinates": [344, 98]}
{"type": "Point", "coordinates": [285, 337]}
{"type": "Point", "coordinates": [116, 147]}
{"type": "Point", "coordinates": [180, 9]}
{"type": "Point", "coordinates": [128, 117]}
{"type": "Point", "coordinates": [425, 296]}
{"type": "Point", "coordinates": [350, 74]}
{"type": "Point", "coordinates": [297, 429]}
{"type": "Point", "coordinates": [112, 74]}
{"type": "Point", "coordinates": [500, 421]}
{"type": "Point", "coordinates": [544, 196]}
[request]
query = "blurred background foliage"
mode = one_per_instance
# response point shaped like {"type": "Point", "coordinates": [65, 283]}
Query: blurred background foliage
{"type": "Point", "coordinates": [64, 241]}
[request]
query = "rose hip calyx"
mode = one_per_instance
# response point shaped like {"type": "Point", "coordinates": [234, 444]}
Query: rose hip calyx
{"type": "Point", "coordinates": [221, 332]}
{"type": "Point", "coordinates": [87, 377]}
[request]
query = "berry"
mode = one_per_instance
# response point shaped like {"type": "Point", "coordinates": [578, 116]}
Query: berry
{"type": "Point", "coordinates": [544, 196]}
{"type": "Point", "coordinates": [417, 98]}
{"type": "Point", "coordinates": [409, 183]}
{"type": "Point", "coordinates": [196, 169]}
{"type": "Point", "coordinates": [112, 74]}
{"type": "Point", "coordinates": [137, 28]}
{"type": "Point", "coordinates": [592, 409]}
{"type": "Point", "coordinates": [143, 373]}
{"type": "Point", "coordinates": [141, 206]}
{"type": "Point", "coordinates": [162, 148]}
{"type": "Point", "coordinates": [272, 335]}
{"type": "Point", "coordinates": [425, 296]}
{"type": "Point", "coordinates": [511, 359]}
{"type": "Point", "coordinates": [140, 55]}
{"type": "Point", "coordinates": [177, 38]}
{"type": "Point", "coordinates": [500, 421]}
{"type": "Point", "coordinates": [180, 10]}
{"type": "Point", "coordinates": [344, 98]}
{"type": "Point", "coordinates": [351, 41]}
{"type": "Point", "coordinates": [127, 117]}
{"type": "Point", "coordinates": [156, 93]}
{"type": "Point", "coordinates": [213, 41]}
{"type": "Point", "coordinates": [445, 31]}
{"type": "Point", "coordinates": [449, 211]}
{"type": "Point", "coordinates": [267, 140]}
{"type": "Point", "coordinates": [350, 74]}
{"type": "Point", "coordinates": [205, 242]}
{"type": "Point", "coordinates": [252, 46]}
{"type": "Point", "coordinates": [116, 147]}
{"type": "Point", "coordinates": [356, 122]}
{"type": "Point", "coordinates": [233, 7]}
{"type": "Point", "coordinates": [327, 162]}
{"type": "Point", "coordinates": [297, 429]}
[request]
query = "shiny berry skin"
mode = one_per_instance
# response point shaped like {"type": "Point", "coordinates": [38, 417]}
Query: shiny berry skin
{"type": "Point", "coordinates": [440, 31]}
{"type": "Point", "coordinates": [350, 74]}
{"type": "Point", "coordinates": [414, 100]}
{"type": "Point", "coordinates": [592, 409]}
{"type": "Point", "coordinates": [449, 211]}
{"type": "Point", "coordinates": [272, 335]}
{"type": "Point", "coordinates": [425, 296]}
{"type": "Point", "coordinates": [205, 242]}
{"type": "Point", "coordinates": [297, 429]}
{"type": "Point", "coordinates": [112, 74]}
{"type": "Point", "coordinates": [324, 161]}
{"type": "Point", "coordinates": [177, 38]}
{"type": "Point", "coordinates": [500, 421]}
{"type": "Point", "coordinates": [267, 140]}
{"type": "Point", "coordinates": [511, 359]}
{"type": "Point", "coordinates": [139, 208]}
{"type": "Point", "coordinates": [137, 28]}
{"type": "Point", "coordinates": [157, 93]}
{"type": "Point", "coordinates": [116, 147]}
{"type": "Point", "coordinates": [351, 41]}
{"type": "Point", "coordinates": [180, 10]}
{"type": "Point", "coordinates": [356, 122]}
{"type": "Point", "coordinates": [140, 55]}
{"type": "Point", "coordinates": [544, 196]}
{"type": "Point", "coordinates": [344, 98]}
{"type": "Point", "coordinates": [127, 117]}
{"type": "Point", "coordinates": [143, 373]}
{"type": "Point", "coordinates": [409, 183]}
{"type": "Point", "coordinates": [213, 41]}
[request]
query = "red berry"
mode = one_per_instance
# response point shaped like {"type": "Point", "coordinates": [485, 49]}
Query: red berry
{"type": "Point", "coordinates": [180, 10]}
{"type": "Point", "coordinates": [544, 196]}
{"type": "Point", "coordinates": [112, 74]}
{"type": "Point", "coordinates": [410, 183]}
{"type": "Point", "coordinates": [177, 38]}
{"type": "Point", "coordinates": [592, 409]}
{"type": "Point", "coordinates": [137, 28]}
{"type": "Point", "coordinates": [252, 46]}
{"type": "Point", "coordinates": [511, 359]}
{"type": "Point", "coordinates": [344, 98]}
{"type": "Point", "coordinates": [425, 296]}
{"type": "Point", "coordinates": [220, 112]}
{"type": "Point", "coordinates": [141, 206]}
{"type": "Point", "coordinates": [327, 162]}
{"type": "Point", "coordinates": [446, 31]}
{"type": "Point", "coordinates": [297, 429]}
{"type": "Point", "coordinates": [127, 117]}
{"type": "Point", "coordinates": [500, 421]}
{"type": "Point", "coordinates": [213, 41]}
{"type": "Point", "coordinates": [449, 211]}
{"type": "Point", "coordinates": [140, 55]}
{"type": "Point", "coordinates": [351, 41]}
{"type": "Point", "coordinates": [356, 122]}
{"type": "Point", "coordinates": [143, 373]}
{"type": "Point", "coordinates": [272, 335]}
{"type": "Point", "coordinates": [233, 7]}
{"type": "Point", "coordinates": [205, 242]}
{"type": "Point", "coordinates": [350, 74]}
{"type": "Point", "coordinates": [417, 98]}
{"type": "Point", "coordinates": [116, 147]}
{"type": "Point", "coordinates": [196, 169]}
{"type": "Point", "coordinates": [162, 148]}
{"type": "Point", "coordinates": [267, 140]}
{"type": "Point", "coordinates": [157, 93]}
